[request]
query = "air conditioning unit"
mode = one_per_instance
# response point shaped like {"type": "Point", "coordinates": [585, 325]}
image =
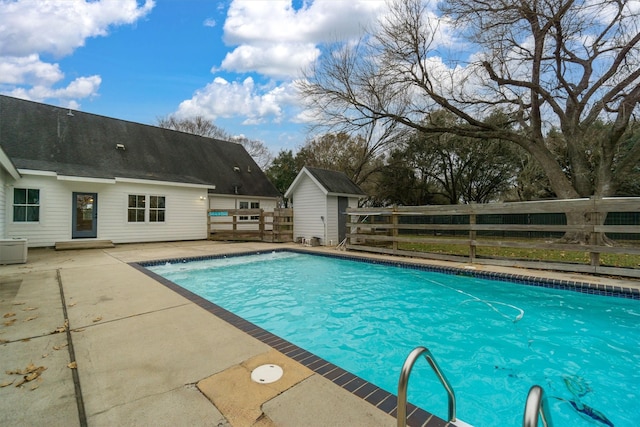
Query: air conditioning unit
{"type": "Point", "coordinates": [13, 251]}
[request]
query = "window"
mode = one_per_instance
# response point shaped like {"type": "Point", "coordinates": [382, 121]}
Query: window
{"type": "Point", "coordinates": [135, 211]}
{"type": "Point", "coordinates": [26, 205]}
{"type": "Point", "coordinates": [255, 205]}
{"type": "Point", "coordinates": [156, 208]}
{"type": "Point", "coordinates": [140, 204]}
{"type": "Point", "coordinates": [243, 205]}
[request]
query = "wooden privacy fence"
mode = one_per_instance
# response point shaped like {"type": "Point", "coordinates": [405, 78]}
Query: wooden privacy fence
{"type": "Point", "coordinates": [524, 234]}
{"type": "Point", "coordinates": [251, 225]}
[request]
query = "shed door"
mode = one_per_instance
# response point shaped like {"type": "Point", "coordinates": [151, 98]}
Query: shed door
{"type": "Point", "coordinates": [85, 215]}
{"type": "Point", "coordinates": [343, 204]}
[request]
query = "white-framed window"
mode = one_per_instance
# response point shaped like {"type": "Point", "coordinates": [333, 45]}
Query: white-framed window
{"type": "Point", "coordinates": [243, 205]}
{"type": "Point", "coordinates": [255, 205]}
{"type": "Point", "coordinates": [26, 205]}
{"type": "Point", "coordinates": [142, 208]}
{"type": "Point", "coordinates": [136, 207]}
{"type": "Point", "coordinates": [157, 208]}
{"type": "Point", "coordinates": [249, 205]}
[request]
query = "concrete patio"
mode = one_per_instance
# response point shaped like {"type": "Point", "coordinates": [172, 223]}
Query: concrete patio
{"type": "Point", "coordinates": [139, 350]}
{"type": "Point", "coordinates": [135, 353]}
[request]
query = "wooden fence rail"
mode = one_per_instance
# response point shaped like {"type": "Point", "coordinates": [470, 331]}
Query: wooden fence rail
{"type": "Point", "coordinates": [251, 225]}
{"type": "Point", "coordinates": [471, 233]}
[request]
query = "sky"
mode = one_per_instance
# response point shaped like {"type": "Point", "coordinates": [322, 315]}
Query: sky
{"type": "Point", "coordinates": [233, 62]}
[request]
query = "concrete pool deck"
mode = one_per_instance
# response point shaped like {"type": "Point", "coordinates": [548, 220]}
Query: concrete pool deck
{"type": "Point", "coordinates": [136, 353]}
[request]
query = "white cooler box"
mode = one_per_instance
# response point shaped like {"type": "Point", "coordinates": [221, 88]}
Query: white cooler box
{"type": "Point", "coordinates": [13, 251]}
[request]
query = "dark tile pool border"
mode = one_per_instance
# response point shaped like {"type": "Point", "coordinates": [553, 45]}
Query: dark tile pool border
{"type": "Point", "coordinates": [379, 398]}
{"type": "Point", "coordinates": [522, 279]}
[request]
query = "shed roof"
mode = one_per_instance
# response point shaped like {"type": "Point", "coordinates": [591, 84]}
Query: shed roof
{"type": "Point", "coordinates": [330, 182]}
{"type": "Point", "coordinates": [72, 143]}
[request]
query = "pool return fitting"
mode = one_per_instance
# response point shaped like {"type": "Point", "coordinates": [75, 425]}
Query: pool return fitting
{"type": "Point", "coordinates": [535, 406]}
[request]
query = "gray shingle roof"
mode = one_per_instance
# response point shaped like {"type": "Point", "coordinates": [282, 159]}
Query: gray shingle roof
{"type": "Point", "coordinates": [74, 143]}
{"type": "Point", "coordinates": [335, 182]}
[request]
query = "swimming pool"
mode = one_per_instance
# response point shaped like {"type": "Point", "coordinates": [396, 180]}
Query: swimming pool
{"type": "Point", "coordinates": [493, 339]}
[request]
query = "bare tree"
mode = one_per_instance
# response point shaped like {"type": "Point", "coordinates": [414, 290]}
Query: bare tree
{"type": "Point", "coordinates": [256, 149]}
{"type": "Point", "coordinates": [198, 125]}
{"type": "Point", "coordinates": [342, 152]}
{"type": "Point", "coordinates": [541, 63]}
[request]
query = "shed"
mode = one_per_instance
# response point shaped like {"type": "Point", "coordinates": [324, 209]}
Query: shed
{"type": "Point", "coordinates": [320, 199]}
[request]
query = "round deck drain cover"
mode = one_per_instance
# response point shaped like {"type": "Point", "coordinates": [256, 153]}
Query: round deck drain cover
{"type": "Point", "coordinates": [266, 374]}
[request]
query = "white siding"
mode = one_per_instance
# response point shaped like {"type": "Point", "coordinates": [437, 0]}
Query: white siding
{"type": "Point", "coordinates": [309, 204]}
{"type": "Point", "coordinates": [221, 202]}
{"type": "Point", "coordinates": [332, 221]}
{"type": "Point", "coordinates": [185, 215]}
{"type": "Point", "coordinates": [333, 234]}
{"type": "Point", "coordinates": [55, 212]}
{"type": "Point", "coordinates": [269, 204]}
{"type": "Point", "coordinates": [4, 178]}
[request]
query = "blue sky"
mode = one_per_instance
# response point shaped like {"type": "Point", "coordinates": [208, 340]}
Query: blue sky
{"type": "Point", "coordinates": [233, 62]}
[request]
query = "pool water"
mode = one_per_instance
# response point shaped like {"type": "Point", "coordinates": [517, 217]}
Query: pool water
{"type": "Point", "coordinates": [492, 339]}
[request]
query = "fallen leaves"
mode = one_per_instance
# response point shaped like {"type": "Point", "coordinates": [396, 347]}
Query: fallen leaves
{"type": "Point", "coordinates": [31, 368]}
{"type": "Point", "coordinates": [12, 316]}
{"type": "Point", "coordinates": [29, 374]}
{"type": "Point", "coordinates": [7, 383]}
{"type": "Point", "coordinates": [60, 347]}
{"type": "Point", "coordinates": [73, 365]}
{"type": "Point", "coordinates": [62, 328]}
{"type": "Point", "coordinates": [97, 319]}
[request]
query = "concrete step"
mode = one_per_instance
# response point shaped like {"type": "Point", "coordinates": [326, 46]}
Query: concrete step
{"type": "Point", "coordinates": [84, 244]}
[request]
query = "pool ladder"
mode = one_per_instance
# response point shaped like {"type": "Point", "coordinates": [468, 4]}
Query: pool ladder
{"type": "Point", "coordinates": [403, 382]}
{"type": "Point", "coordinates": [536, 405]}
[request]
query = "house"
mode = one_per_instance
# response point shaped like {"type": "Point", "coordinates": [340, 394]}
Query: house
{"type": "Point", "coordinates": [69, 175]}
{"type": "Point", "coordinates": [320, 199]}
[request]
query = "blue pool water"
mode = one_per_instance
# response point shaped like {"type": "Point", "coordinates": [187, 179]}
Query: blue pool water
{"type": "Point", "coordinates": [492, 339]}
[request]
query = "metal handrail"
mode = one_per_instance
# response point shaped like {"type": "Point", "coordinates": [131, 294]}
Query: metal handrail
{"type": "Point", "coordinates": [403, 382]}
{"type": "Point", "coordinates": [536, 405]}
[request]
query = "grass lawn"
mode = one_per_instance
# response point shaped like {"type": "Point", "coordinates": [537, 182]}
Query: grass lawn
{"type": "Point", "coordinates": [529, 254]}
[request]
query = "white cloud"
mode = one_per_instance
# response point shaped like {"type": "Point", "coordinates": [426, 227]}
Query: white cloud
{"type": "Point", "coordinates": [224, 99]}
{"type": "Point", "coordinates": [274, 39]}
{"type": "Point", "coordinates": [318, 21]}
{"type": "Point", "coordinates": [29, 28]}
{"type": "Point", "coordinates": [59, 27]}
{"type": "Point", "coordinates": [15, 70]}
{"type": "Point", "coordinates": [82, 87]}
{"type": "Point", "coordinates": [278, 60]}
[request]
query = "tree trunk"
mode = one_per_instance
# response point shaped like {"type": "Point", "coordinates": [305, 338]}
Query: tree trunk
{"type": "Point", "coordinates": [589, 219]}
